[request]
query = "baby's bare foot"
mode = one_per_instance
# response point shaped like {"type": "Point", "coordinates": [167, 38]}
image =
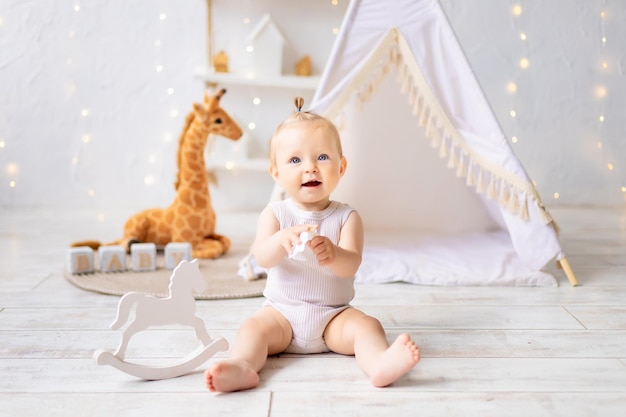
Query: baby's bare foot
{"type": "Point", "coordinates": [401, 356]}
{"type": "Point", "coordinates": [230, 376]}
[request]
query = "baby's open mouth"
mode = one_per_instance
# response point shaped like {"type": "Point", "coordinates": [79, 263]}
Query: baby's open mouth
{"type": "Point", "coordinates": [311, 184]}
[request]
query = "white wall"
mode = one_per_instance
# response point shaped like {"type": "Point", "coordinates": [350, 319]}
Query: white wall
{"type": "Point", "coordinates": [562, 94]}
{"type": "Point", "coordinates": [60, 57]}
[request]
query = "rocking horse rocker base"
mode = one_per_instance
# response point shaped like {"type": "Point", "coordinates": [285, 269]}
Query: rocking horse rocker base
{"type": "Point", "coordinates": [178, 308]}
{"type": "Point", "coordinates": [174, 370]}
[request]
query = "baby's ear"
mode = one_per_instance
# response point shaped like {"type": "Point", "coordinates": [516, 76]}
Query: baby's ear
{"type": "Point", "coordinates": [344, 165]}
{"type": "Point", "coordinates": [274, 172]}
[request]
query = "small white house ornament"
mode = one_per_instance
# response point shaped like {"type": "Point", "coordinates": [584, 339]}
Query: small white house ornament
{"type": "Point", "coordinates": [266, 44]}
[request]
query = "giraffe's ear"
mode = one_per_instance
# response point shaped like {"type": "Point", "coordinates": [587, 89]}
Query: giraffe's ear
{"type": "Point", "coordinates": [198, 109]}
{"type": "Point", "coordinates": [212, 103]}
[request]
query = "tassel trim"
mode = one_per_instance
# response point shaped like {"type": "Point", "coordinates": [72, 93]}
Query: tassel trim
{"type": "Point", "coordinates": [509, 191]}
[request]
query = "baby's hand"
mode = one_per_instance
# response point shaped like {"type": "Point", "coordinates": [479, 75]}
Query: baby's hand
{"type": "Point", "coordinates": [324, 250]}
{"type": "Point", "coordinates": [291, 237]}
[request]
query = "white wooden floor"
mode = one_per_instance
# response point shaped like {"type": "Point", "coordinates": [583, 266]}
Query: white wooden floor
{"type": "Point", "coordinates": [486, 351]}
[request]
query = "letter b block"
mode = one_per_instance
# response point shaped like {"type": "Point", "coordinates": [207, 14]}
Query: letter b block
{"type": "Point", "coordinates": [80, 260]}
{"type": "Point", "coordinates": [176, 252]}
{"type": "Point", "coordinates": [143, 257]}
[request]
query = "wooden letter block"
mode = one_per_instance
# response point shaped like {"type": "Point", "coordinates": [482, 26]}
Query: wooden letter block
{"type": "Point", "coordinates": [80, 260]}
{"type": "Point", "coordinates": [176, 252]}
{"type": "Point", "coordinates": [143, 257]}
{"type": "Point", "coordinates": [112, 258]}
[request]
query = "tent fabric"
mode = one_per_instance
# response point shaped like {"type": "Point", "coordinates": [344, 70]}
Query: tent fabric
{"type": "Point", "coordinates": [440, 103]}
{"type": "Point", "coordinates": [473, 259]}
{"type": "Point", "coordinates": [429, 167]}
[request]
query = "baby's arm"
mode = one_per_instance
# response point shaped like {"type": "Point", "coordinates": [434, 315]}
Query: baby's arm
{"type": "Point", "coordinates": [343, 259]}
{"type": "Point", "coordinates": [272, 244]}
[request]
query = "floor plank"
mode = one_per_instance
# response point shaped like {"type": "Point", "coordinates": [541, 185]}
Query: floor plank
{"type": "Point", "coordinates": [133, 404]}
{"type": "Point", "coordinates": [505, 351]}
{"type": "Point", "coordinates": [435, 404]}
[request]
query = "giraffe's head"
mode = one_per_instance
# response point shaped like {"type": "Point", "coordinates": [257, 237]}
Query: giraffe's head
{"type": "Point", "coordinates": [215, 118]}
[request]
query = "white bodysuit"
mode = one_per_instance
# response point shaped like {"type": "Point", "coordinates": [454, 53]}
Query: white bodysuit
{"type": "Point", "coordinates": [306, 294]}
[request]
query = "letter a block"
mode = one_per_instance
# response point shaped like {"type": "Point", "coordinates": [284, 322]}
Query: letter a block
{"type": "Point", "coordinates": [80, 260]}
{"type": "Point", "coordinates": [176, 252]}
{"type": "Point", "coordinates": [143, 257]}
{"type": "Point", "coordinates": [112, 258]}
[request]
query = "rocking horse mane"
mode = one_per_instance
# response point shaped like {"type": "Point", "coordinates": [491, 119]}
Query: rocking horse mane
{"type": "Point", "coordinates": [178, 281]}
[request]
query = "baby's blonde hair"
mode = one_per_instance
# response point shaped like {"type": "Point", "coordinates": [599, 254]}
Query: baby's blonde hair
{"type": "Point", "coordinates": [300, 116]}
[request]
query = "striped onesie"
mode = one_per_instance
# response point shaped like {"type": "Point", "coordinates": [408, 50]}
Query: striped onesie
{"type": "Point", "coordinates": [306, 294]}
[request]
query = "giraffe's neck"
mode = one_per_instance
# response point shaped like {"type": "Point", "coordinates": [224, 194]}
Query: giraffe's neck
{"type": "Point", "coordinates": [193, 173]}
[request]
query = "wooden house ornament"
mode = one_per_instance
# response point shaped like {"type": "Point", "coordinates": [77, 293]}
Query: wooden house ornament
{"type": "Point", "coordinates": [266, 44]}
{"type": "Point", "coordinates": [303, 67]}
{"type": "Point", "coordinates": [220, 62]}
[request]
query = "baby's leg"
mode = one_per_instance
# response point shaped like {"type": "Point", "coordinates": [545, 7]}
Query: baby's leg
{"type": "Point", "coordinates": [354, 333]}
{"type": "Point", "coordinates": [267, 332]}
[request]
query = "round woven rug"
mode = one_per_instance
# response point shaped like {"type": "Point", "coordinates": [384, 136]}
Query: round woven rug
{"type": "Point", "coordinates": [220, 274]}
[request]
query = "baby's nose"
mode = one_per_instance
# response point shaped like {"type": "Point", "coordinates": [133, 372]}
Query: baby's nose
{"type": "Point", "coordinates": [311, 166]}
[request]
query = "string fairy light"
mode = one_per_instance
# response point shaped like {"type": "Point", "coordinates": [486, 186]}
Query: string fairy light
{"type": "Point", "coordinates": [12, 168]}
{"type": "Point", "coordinates": [600, 91]}
{"type": "Point", "coordinates": [335, 29]}
{"type": "Point", "coordinates": [524, 63]}
{"type": "Point", "coordinates": [512, 86]}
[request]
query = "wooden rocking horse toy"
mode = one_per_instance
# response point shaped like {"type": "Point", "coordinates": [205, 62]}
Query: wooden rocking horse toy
{"type": "Point", "coordinates": [178, 308]}
{"type": "Point", "coordinates": [190, 217]}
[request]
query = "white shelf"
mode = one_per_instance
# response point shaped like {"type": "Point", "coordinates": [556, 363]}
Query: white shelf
{"type": "Point", "coordinates": [246, 165]}
{"type": "Point", "coordinates": [284, 81]}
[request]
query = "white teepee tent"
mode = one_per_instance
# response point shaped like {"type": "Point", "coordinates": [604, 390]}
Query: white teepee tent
{"type": "Point", "coordinates": [443, 197]}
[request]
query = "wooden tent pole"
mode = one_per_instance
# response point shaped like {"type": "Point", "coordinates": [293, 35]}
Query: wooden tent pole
{"type": "Point", "coordinates": [569, 273]}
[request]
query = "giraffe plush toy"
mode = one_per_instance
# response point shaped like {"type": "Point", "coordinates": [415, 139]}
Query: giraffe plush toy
{"type": "Point", "coordinates": [190, 217]}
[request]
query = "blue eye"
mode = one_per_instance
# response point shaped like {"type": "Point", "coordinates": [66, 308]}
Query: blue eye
{"type": "Point", "coordinates": [322, 157]}
{"type": "Point", "coordinates": [294, 160]}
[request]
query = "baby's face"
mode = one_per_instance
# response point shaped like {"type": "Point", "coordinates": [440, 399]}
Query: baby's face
{"type": "Point", "coordinates": [308, 164]}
